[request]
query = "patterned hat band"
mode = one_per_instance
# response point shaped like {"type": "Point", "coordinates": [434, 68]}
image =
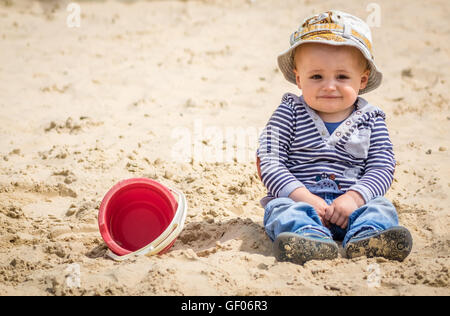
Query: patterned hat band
{"type": "Point", "coordinates": [330, 32]}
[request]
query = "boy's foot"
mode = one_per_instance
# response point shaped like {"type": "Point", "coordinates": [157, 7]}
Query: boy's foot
{"type": "Point", "coordinates": [394, 244]}
{"type": "Point", "coordinates": [298, 249]}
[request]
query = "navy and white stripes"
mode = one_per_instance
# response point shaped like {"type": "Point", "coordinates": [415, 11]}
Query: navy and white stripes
{"type": "Point", "coordinates": [296, 150]}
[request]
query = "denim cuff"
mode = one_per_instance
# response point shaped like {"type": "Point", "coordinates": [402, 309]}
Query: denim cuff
{"type": "Point", "coordinates": [289, 188]}
{"type": "Point", "coordinates": [314, 232]}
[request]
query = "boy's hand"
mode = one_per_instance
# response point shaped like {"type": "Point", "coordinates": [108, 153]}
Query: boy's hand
{"type": "Point", "coordinates": [342, 207]}
{"type": "Point", "coordinates": [319, 204]}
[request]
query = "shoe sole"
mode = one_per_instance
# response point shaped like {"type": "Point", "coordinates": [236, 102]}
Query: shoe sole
{"type": "Point", "coordinates": [393, 244]}
{"type": "Point", "coordinates": [298, 249]}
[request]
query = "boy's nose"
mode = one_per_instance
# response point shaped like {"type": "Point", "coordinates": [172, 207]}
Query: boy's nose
{"type": "Point", "coordinates": [329, 85]}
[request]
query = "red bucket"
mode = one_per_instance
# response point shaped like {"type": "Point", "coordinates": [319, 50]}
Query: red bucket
{"type": "Point", "coordinates": [140, 216]}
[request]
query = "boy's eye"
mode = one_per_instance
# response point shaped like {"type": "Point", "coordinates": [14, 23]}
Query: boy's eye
{"type": "Point", "coordinates": [342, 77]}
{"type": "Point", "coordinates": [316, 77]}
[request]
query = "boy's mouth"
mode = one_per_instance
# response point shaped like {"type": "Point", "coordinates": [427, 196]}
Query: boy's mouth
{"type": "Point", "coordinates": [329, 97]}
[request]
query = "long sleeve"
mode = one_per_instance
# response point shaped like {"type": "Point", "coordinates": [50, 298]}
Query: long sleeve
{"type": "Point", "coordinates": [274, 144]}
{"type": "Point", "coordinates": [379, 169]}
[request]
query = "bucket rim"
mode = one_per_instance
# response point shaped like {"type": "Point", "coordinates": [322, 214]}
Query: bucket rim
{"type": "Point", "coordinates": [115, 189]}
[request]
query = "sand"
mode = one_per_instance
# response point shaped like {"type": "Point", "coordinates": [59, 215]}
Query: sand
{"type": "Point", "coordinates": [156, 89]}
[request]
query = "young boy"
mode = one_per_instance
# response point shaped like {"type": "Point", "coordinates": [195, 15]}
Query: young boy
{"type": "Point", "coordinates": [326, 157]}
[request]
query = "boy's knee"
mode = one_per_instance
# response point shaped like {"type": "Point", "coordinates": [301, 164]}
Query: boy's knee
{"type": "Point", "coordinates": [287, 207]}
{"type": "Point", "coordinates": [276, 205]}
{"type": "Point", "coordinates": [383, 205]}
{"type": "Point", "coordinates": [286, 204]}
{"type": "Point", "coordinates": [381, 200]}
{"type": "Point", "coordinates": [380, 210]}
{"type": "Point", "coordinates": [278, 202]}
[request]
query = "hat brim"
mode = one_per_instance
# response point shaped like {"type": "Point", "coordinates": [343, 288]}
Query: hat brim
{"type": "Point", "coordinates": [287, 66]}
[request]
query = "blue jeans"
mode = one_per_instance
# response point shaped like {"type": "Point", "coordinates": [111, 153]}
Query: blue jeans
{"type": "Point", "coordinates": [285, 215]}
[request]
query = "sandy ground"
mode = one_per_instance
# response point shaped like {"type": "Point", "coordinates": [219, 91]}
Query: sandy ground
{"type": "Point", "coordinates": [122, 95]}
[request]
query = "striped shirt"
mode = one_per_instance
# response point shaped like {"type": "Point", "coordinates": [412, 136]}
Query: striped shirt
{"type": "Point", "coordinates": [296, 150]}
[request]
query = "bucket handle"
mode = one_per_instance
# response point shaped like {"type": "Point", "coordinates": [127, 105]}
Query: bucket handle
{"type": "Point", "coordinates": [172, 231]}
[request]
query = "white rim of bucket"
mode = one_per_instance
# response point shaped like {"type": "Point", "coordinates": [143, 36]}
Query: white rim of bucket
{"type": "Point", "coordinates": [167, 236]}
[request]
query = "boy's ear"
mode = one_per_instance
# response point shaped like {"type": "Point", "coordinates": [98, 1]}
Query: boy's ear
{"type": "Point", "coordinates": [297, 78]}
{"type": "Point", "coordinates": [364, 79]}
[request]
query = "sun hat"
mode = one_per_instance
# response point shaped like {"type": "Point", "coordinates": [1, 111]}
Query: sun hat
{"type": "Point", "coordinates": [333, 28]}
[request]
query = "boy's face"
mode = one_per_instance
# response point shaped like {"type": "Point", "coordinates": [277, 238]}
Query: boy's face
{"type": "Point", "coordinates": [330, 78]}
